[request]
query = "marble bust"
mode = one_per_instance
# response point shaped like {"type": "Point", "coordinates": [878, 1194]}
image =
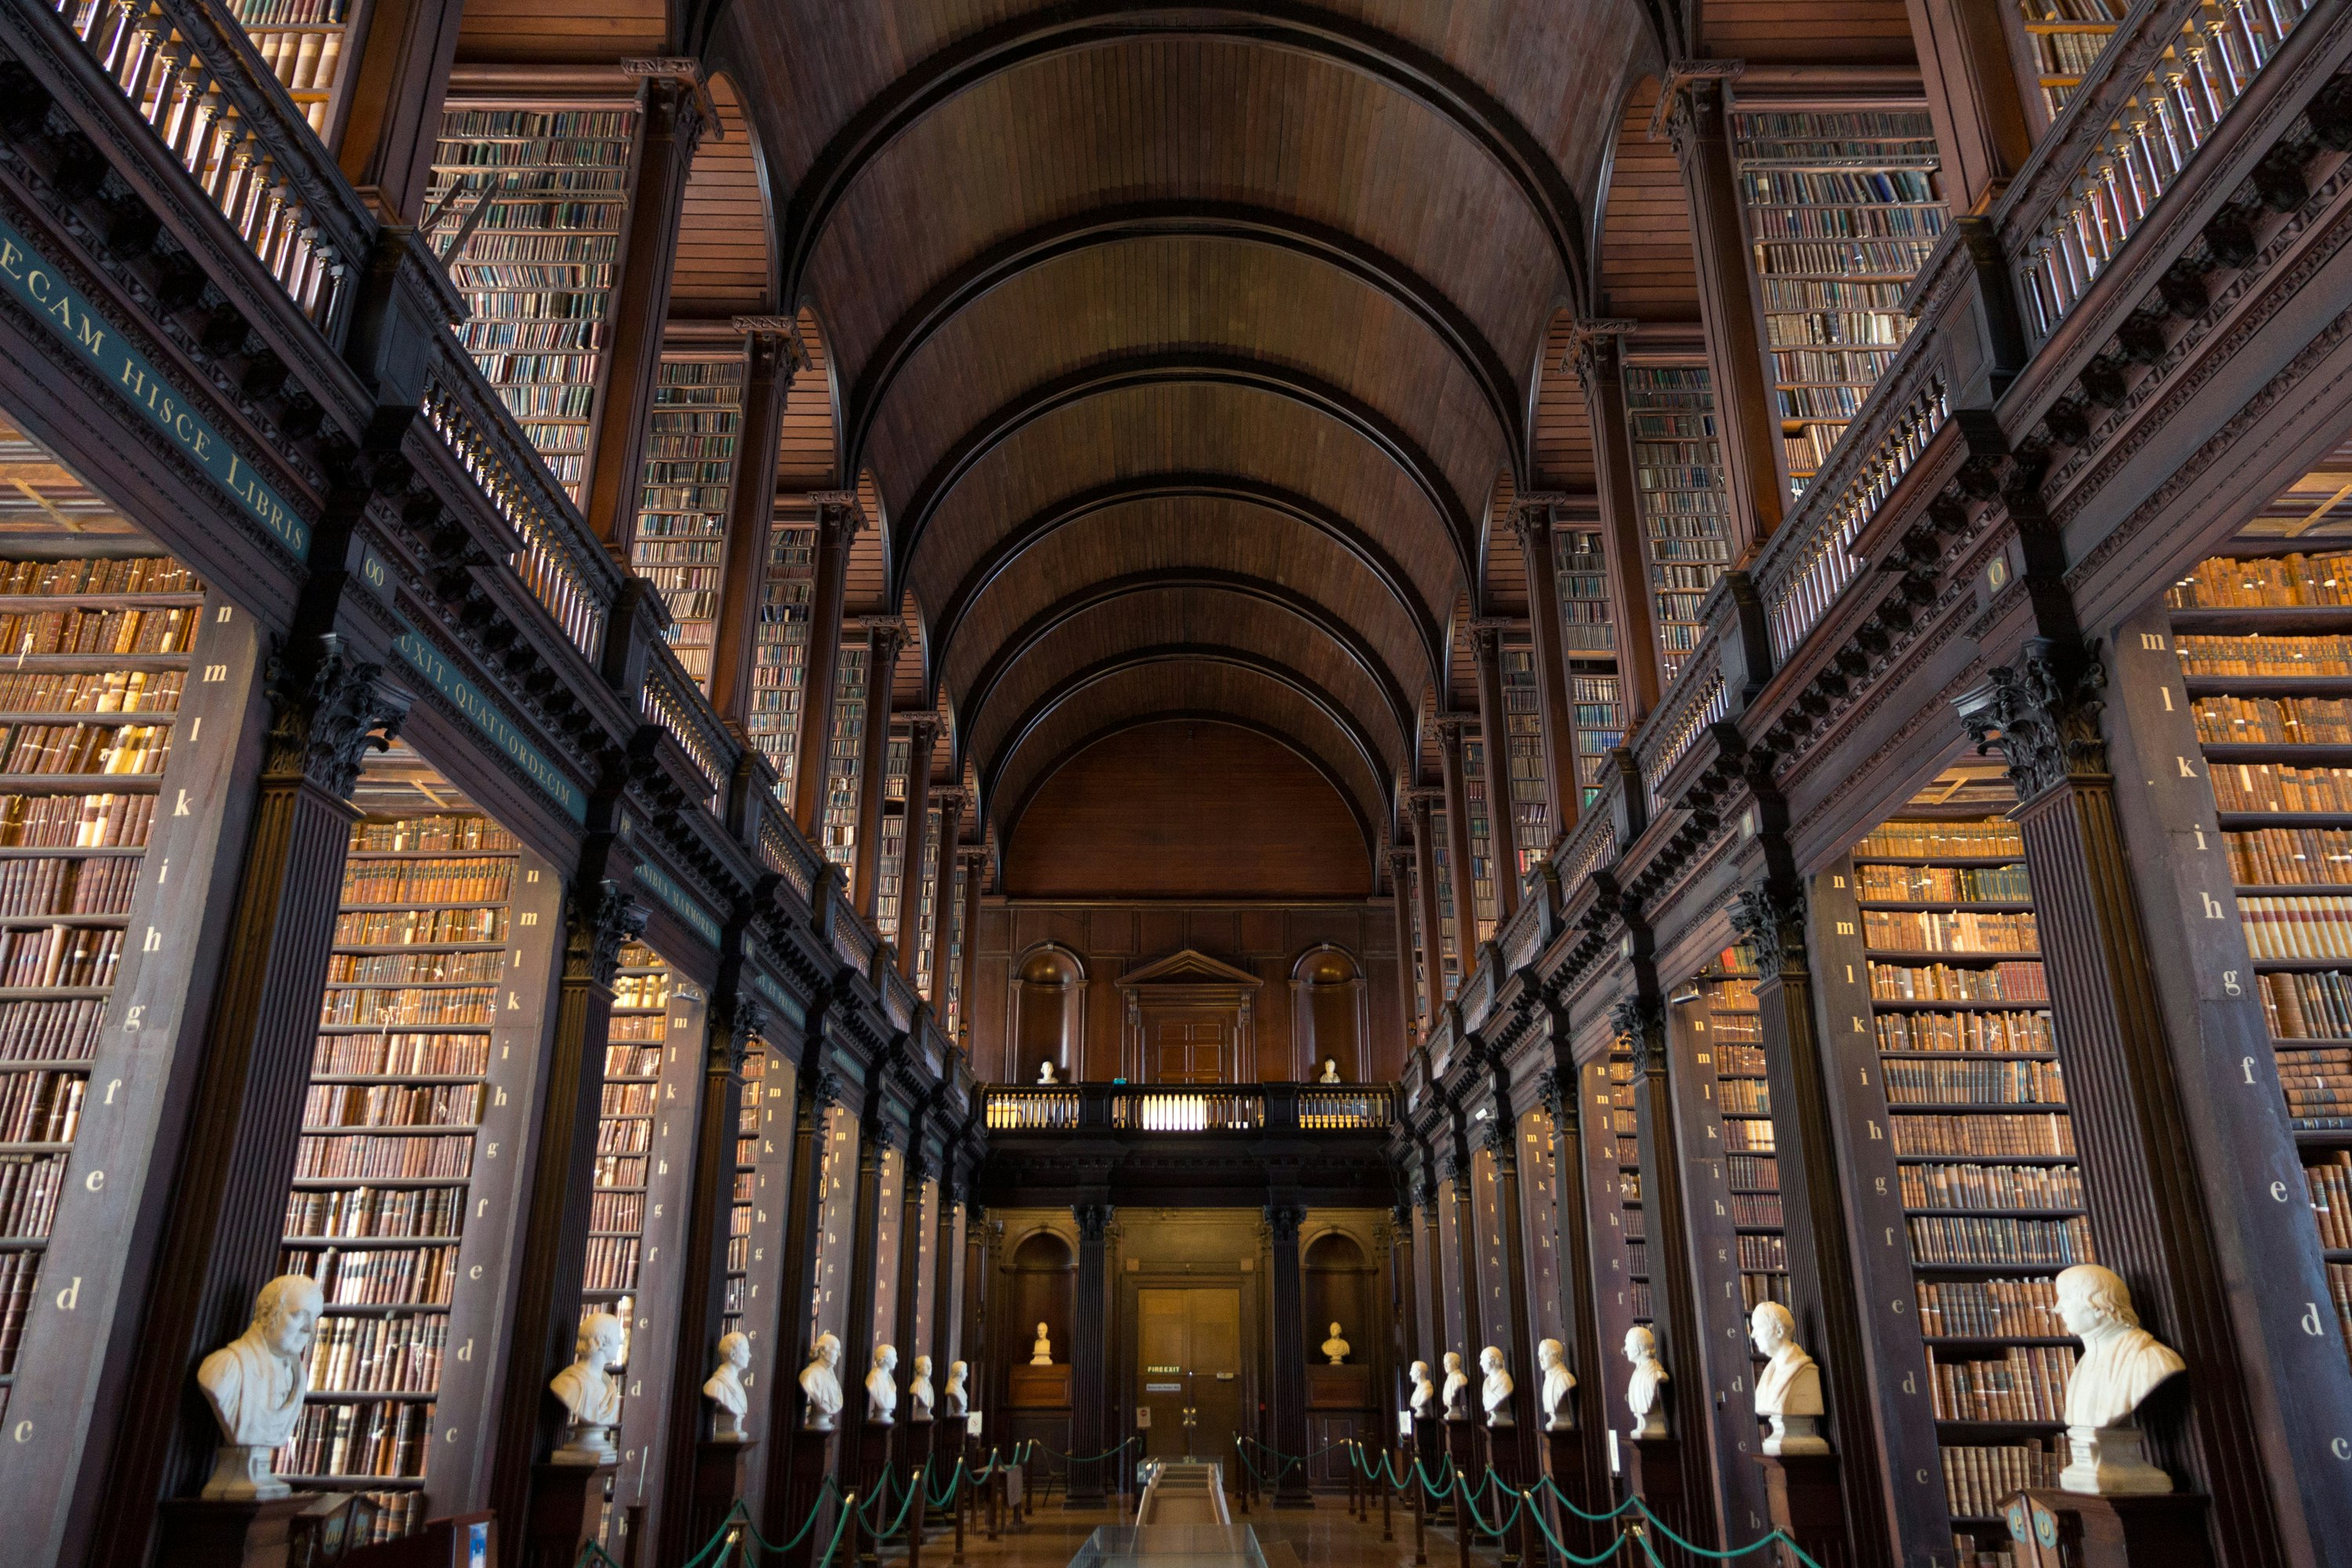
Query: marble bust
{"type": "Point", "coordinates": [1330, 1070]}
{"type": "Point", "coordinates": [1456, 1383]}
{"type": "Point", "coordinates": [1335, 1348]}
{"type": "Point", "coordinates": [2121, 1364]}
{"type": "Point", "coordinates": [591, 1394]}
{"type": "Point", "coordinates": [1558, 1383]}
{"type": "Point", "coordinates": [255, 1384]}
{"type": "Point", "coordinates": [1042, 1353]}
{"type": "Point", "coordinates": [1495, 1393]}
{"type": "Point", "coordinates": [1424, 1391]}
{"type": "Point", "coordinates": [1646, 1389]}
{"type": "Point", "coordinates": [954, 1400]}
{"type": "Point", "coordinates": [881, 1388]}
{"type": "Point", "coordinates": [1788, 1388]}
{"type": "Point", "coordinates": [821, 1384]}
{"type": "Point", "coordinates": [729, 1398]}
{"type": "Point", "coordinates": [918, 1391]}
{"type": "Point", "coordinates": [1045, 1073]}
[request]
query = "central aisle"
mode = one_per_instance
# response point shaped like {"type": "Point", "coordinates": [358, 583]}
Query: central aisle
{"type": "Point", "coordinates": [1323, 1537]}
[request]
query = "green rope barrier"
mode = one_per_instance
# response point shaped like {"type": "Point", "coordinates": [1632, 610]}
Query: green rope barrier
{"type": "Point", "coordinates": [591, 1553]}
{"type": "Point", "coordinates": [1470, 1503]}
{"type": "Point", "coordinates": [940, 1500]}
{"type": "Point", "coordinates": [841, 1524]}
{"type": "Point", "coordinates": [1091, 1459]}
{"type": "Point", "coordinates": [882, 1497]}
{"type": "Point", "coordinates": [1560, 1498]}
{"type": "Point", "coordinates": [1776, 1538]}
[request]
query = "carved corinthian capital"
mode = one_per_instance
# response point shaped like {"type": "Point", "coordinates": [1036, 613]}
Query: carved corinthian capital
{"type": "Point", "coordinates": [2042, 714]}
{"type": "Point", "coordinates": [1772, 921]}
{"type": "Point", "coordinates": [602, 918]}
{"type": "Point", "coordinates": [331, 712]}
{"type": "Point", "coordinates": [1638, 1024]}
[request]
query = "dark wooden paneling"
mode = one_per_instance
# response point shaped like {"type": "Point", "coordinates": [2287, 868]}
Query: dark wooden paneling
{"type": "Point", "coordinates": [722, 233]}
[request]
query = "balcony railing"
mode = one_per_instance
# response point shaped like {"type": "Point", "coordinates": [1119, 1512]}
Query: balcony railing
{"type": "Point", "coordinates": [1191, 1107]}
{"type": "Point", "coordinates": [2208, 52]}
{"type": "Point", "coordinates": [197, 81]}
{"type": "Point", "coordinates": [668, 699]}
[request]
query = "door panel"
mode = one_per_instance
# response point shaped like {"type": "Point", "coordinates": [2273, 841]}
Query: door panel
{"type": "Point", "coordinates": [1190, 1357]}
{"type": "Point", "coordinates": [1189, 1047]}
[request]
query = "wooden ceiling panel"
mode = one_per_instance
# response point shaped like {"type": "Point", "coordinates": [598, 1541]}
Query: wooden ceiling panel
{"type": "Point", "coordinates": [1187, 688]}
{"type": "Point", "coordinates": [1148, 298]}
{"type": "Point", "coordinates": [1645, 267]}
{"type": "Point", "coordinates": [1502, 567]}
{"type": "Point", "coordinates": [1820, 32]}
{"type": "Point", "coordinates": [805, 454]}
{"type": "Point", "coordinates": [561, 32]}
{"type": "Point", "coordinates": [723, 227]}
{"type": "Point", "coordinates": [1149, 436]}
{"type": "Point", "coordinates": [1563, 435]}
{"type": "Point", "coordinates": [1188, 538]}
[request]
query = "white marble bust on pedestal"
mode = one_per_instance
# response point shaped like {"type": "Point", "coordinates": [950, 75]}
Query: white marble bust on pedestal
{"type": "Point", "coordinates": [255, 1384]}
{"type": "Point", "coordinates": [1558, 1384]}
{"type": "Point", "coordinates": [1330, 1070]}
{"type": "Point", "coordinates": [590, 1395]}
{"type": "Point", "coordinates": [881, 1387]}
{"type": "Point", "coordinates": [821, 1384]}
{"type": "Point", "coordinates": [1042, 1353]}
{"type": "Point", "coordinates": [918, 1391]}
{"type": "Point", "coordinates": [2121, 1364]}
{"type": "Point", "coordinates": [954, 1400]}
{"type": "Point", "coordinates": [1645, 1390]}
{"type": "Point", "coordinates": [1045, 1073]}
{"type": "Point", "coordinates": [1424, 1393]}
{"type": "Point", "coordinates": [1788, 1388]}
{"type": "Point", "coordinates": [1335, 1349]}
{"type": "Point", "coordinates": [1457, 1384]}
{"type": "Point", "coordinates": [729, 1398]}
{"type": "Point", "coordinates": [1495, 1393]}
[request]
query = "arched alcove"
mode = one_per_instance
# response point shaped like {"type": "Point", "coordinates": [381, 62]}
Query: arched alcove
{"type": "Point", "coordinates": [1328, 1018]}
{"type": "Point", "coordinates": [1337, 1288]}
{"type": "Point", "coordinates": [1048, 1006]}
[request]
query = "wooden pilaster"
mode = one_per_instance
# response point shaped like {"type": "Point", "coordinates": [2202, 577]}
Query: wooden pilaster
{"type": "Point", "coordinates": [1585, 1476]}
{"type": "Point", "coordinates": [975, 872]}
{"type": "Point", "coordinates": [1459, 872]}
{"type": "Point", "coordinates": [837, 522]}
{"type": "Point", "coordinates": [788, 1498]}
{"type": "Point", "coordinates": [1508, 1292]}
{"type": "Point", "coordinates": [943, 909]}
{"type": "Point", "coordinates": [1090, 1354]}
{"type": "Point", "coordinates": [773, 355]}
{"type": "Point", "coordinates": [1983, 127]}
{"type": "Point", "coordinates": [1289, 1338]}
{"type": "Point", "coordinates": [1433, 940]}
{"type": "Point", "coordinates": [1400, 897]}
{"type": "Point", "coordinates": [1494, 747]}
{"type": "Point", "coordinates": [1531, 520]}
{"type": "Point", "coordinates": [922, 742]}
{"type": "Point", "coordinates": [1598, 355]}
{"type": "Point", "coordinates": [394, 99]}
{"type": "Point", "coordinates": [885, 636]}
{"type": "Point", "coordinates": [859, 1338]}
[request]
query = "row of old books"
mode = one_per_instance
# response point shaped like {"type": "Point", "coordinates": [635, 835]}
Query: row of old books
{"type": "Point", "coordinates": [63, 885]}
{"type": "Point", "coordinates": [59, 956]}
{"type": "Point", "coordinates": [2297, 927]}
{"type": "Point", "coordinates": [488, 879]}
{"type": "Point", "coordinates": [93, 691]}
{"type": "Point", "coordinates": [1980, 1238]}
{"type": "Point", "coordinates": [1975, 1083]}
{"type": "Point", "coordinates": [2028, 1384]}
{"type": "Point", "coordinates": [2010, 981]}
{"type": "Point", "coordinates": [1942, 841]}
{"type": "Point", "coordinates": [1977, 1478]}
{"type": "Point", "coordinates": [382, 1212]}
{"type": "Point", "coordinates": [2289, 856]}
{"type": "Point", "coordinates": [1963, 1032]}
{"type": "Point", "coordinates": [98, 631]}
{"type": "Point", "coordinates": [2224, 582]}
{"type": "Point", "coordinates": [1977, 1186]}
{"type": "Point", "coordinates": [2020, 1136]}
{"type": "Point", "coordinates": [1990, 1309]}
{"type": "Point", "coordinates": [392, 1105]}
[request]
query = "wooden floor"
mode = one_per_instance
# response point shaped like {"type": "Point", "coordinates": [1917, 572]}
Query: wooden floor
{"type": "Point", "coordinates": [1320, 1537]}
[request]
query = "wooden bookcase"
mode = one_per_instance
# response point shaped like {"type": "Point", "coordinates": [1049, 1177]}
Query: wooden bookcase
{"type": "Point", "coordinates": [838, 828]}
{"type": "Point", "coordinates": [1678, 490]}
{"type": "Point", "coordinates": [1960, 1142]}
{"type": "Point", "coordinates": [890, 857]}
{"type": "Point", "coordinates": [2267, 664]}
{"type": "Point", "coordinates": [446, 926]}
{"type": "Point", "coordinates": [691, 445]}
{"type": "Point", "coordinates": [1481, 832]}
{"type": "Point", "coordinates": [1600, 720]}
{"type": "Point", "coordinates": [526, 206]}
{"type": "Point", "coordinates": [1842, 209]}
{"type": "Point", "coordinates": [1523, 721]}
{"type": "Point", "coordinates": [780, 656]}
{"type": "Point", "coordinates": [2056, 43]}
{"type": "Point", "coordinates": [306, 45]}
{"type": "Point", "coordinates": [1580, 565]}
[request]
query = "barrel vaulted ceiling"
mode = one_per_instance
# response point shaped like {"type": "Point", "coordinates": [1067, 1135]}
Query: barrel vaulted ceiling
{"type": "Point", "coordinates": [1187, 349]}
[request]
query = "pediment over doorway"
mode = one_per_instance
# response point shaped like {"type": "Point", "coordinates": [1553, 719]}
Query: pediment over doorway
{"type": "Point", "coordinates": [1189, 966]}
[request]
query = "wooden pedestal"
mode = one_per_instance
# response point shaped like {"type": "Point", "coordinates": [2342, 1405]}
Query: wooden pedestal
{"type": "Point", "coordinates": [1038, 1388]}
{"type": "Point", "coordinates": [1800, 1492]}
{"type": "Point", "coordinates": [2052, 1528]}
{"type": "Point", "coordinates": [232, 1534]}
{"type": "Point", "coordinates": [1429, 1448]}
{"type": "Point", "coordinates": [1564, 1462]}
{"type": "Point", "coordinates": [1502, 1456]}
{"type": "Point", "coordinates": [811, 1460]}
{"type": "Point", "coordinates": [717, 1482]}
{"type": "Point", "coordinates": [564, 1503]}
{"type": "Point", "coordinates": [1339, 1387]}
{"type": "Point", "coordinates": [1654, 1469]}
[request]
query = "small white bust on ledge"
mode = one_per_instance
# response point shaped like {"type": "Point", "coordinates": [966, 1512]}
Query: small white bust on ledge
{"type": "Point", "coordinates": [1045, 1073]}
{"type": "Point", "coordinates": [1788, 1389]}
{"type": "Point", "coordinates": [918, 1391]}
{"type": "Point", "coordinates": [1495, 1393]}
{"type": "Point", "coordinates": [1042, 1353]}
{"type": "Point", "coordinates": [821, 1384]}
{"type": "Point", "coordinates": [1458, 1382]}
{"type": "Point", "coordinates": [1335, 1349]}
{"type": "Point", "coordinates": [1558, 1383]}
{"type": "Point", "coordinates": [1424, 1393]}
{"type": "Point", "coordinates": [255, 1384]}
{"type": "Point", "coordinates": [1646, 1389]}
{"type": "Point", "coordinates": [1330, 1070]}
{"type": "Point", "coordinates": [590, 1395]}
{"type": "Point", "coordinates": [881, 1388]}
{"type": "Point", "coordinates": [953, 1399]}
{"type": "Point", "coordinates": [2122, 1363]}
{"type": "Point", "coordinates": [729, 1399]}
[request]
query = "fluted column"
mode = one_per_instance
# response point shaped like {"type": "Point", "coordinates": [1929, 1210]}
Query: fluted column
{"type": "Point", "coordinates": [943, 906]}
{"type": "Point", "coordinates": [1495, 741]}
{"type": "Point", "coordinates": [227, 1214]}
{"type": "Point", "coordinates": [1694, 109]}
{"type": "Point", "coordinates": [1458, 868]}
{"type": "Point", "coordinates": [1401, 894]}
{"type": "Point", "coordinates": [975, 870]}
{"type": "Point", "coordinates": [788, 1495]}
{"type": "Point", "coordinates": [773, 354]}
{"type": "Point", "coordinates": [669, 131]}
{"type": "Point", "coordinates": [1290, 1343]}
{"type": "Point", "coordinates": [1585, 1475]}
{"type": "Point", "coordinates": [837, 522]}
{"type": "Point", "coordinates": [1597, 353]}
{"type": "Point", "coordinates": [1531, 520]}
{"type": "Point", "coordinates": [885, 636]}
{"type": "Point", "coordinates": [1424, 876]}
{"type": "Point", "coordinates": [1090, 1353]}
{"type": "Point", "coordinates": [922, 740]}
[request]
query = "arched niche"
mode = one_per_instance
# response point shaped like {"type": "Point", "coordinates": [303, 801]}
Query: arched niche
{"type": "Point", "coordinates": [1328, 1014]}
{"type": "Point", "coordinates": [1048, 1002]}
{"type": "Point", "coordinates": [1337, 1288]}
{"type": "Point", "coordinates": [1043, 1289]}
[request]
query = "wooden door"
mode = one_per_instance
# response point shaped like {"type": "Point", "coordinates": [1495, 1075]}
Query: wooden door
{"type": "Point", "coordinates": [1189, 1363]}
{"type": "Point", "coordinates": [1190, 1048]}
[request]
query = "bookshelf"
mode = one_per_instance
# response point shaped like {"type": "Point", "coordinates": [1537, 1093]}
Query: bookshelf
{"type": "Point", "coordinates": [952, 1016]}
{"type": "Point", "coordinates": [2060, 40]}
{"type": "Point", "coordinates": [1523, 723]}
{"type": "Point", "coordinates": [1600, 717]}
{"type": "Point", "coordinates": [1751, 1167]}
{"type": "Point", "coordinates": [1678, 490]}
{"type": "Point", "coordinates": [779, 658]}
{"type": "Point", "coordinates": [1481, 832]}
{"type": "Point", "coordinates": [2265, 669]}
{"type": "Point", "coordinates": [634, 1053]}
{"type": "Point", "coordinates": [305, 43]}
{"type": "Point", "coordinates": [742, 1212]}
{"type": "Point", "coordinates": [1842, 209]}
{"type": "Point", "coordinates": [1580, 568]}
{"type": "Point", "coordinates": [89, 707]}
{"type": "Point", "coordinates": [1624, 1127]}
{"type": "Point", "coordinates": [926, 895]}
{"type": "Point", "coordinates": [842, 761]}
{"type": "Point", "coordinates": [1539, 1196]}
{"type": "Point", "coordinates": [1449, 946]}
{"type": "Point", "coordinates": [694, 429]}
{"type": "Point", "coordinates": [1968, 1088]}
{"type": "Point", "coordinates": [890, 857]}
{"type": "Point", "coordinates": [526, 206]}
